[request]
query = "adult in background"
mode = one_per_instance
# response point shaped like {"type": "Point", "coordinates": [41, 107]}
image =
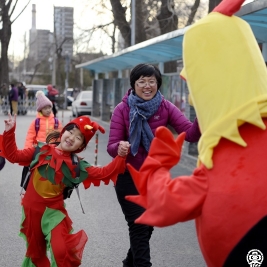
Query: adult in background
{"type": "Point", "coordinates": [132, 129]}
{"type": "Point", "coordinates": [51, 95]}
{"type": "Point", "coordinates": [13, 99]}
{"type": "Point", "coordinates": [21, 90]}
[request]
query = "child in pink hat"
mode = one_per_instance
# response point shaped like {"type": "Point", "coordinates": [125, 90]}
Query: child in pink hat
{"type": "Point", "coordinates": [44, 123]}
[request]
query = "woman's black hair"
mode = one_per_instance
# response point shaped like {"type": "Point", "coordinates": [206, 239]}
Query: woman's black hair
{"type": "Point", "coordinates": [145, 70]}
{"type": "Point", "coordinates": [54, 136]}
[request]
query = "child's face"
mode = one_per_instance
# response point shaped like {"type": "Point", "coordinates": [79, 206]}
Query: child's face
{"type": "Point", "coordinates": [71, 140]}
{"type": "Point", "coordinates": [46, 111]}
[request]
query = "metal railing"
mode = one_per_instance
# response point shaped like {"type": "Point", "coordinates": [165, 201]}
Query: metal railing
{"type": "Point", "coordinates": [24, 105]}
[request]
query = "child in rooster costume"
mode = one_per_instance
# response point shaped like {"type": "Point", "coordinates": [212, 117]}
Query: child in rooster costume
{"type": "Point", "coordinates": [45, 221]}
{"type": "Point", "coordinates": [227, 192]}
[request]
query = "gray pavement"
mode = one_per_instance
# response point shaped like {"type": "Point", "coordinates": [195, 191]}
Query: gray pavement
{"type": "Point", "coordinates": [103, 220]}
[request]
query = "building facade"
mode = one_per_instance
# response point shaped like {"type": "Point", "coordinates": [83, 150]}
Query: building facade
{"type": "Point", "coordinates": [40, 41]}
{"type": "Point", "coordinates": [63, 29]}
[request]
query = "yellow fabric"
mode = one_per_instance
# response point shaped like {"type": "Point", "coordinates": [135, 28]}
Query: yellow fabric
{"type": "Point", "coordinates": [227, 79]}
{"type": "Point", "coordinates": [44, 187]}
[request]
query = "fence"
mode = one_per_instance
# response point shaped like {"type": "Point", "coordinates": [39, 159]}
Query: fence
{"type": "Point", "coordinates": [24, 105]}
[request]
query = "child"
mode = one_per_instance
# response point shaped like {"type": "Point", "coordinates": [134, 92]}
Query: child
{"type": "Point", "coordinates": [45, 221]}
{"type": "Point", "coordinates": [44, 122]}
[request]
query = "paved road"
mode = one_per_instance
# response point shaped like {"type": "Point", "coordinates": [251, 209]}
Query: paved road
{"type": "Point", "coordinates": [103, 221]}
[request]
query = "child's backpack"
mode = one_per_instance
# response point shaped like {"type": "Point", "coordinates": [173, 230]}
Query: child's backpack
{"type": "Point", "coordinates": [37, 125]}
{"type": "Point", "coordinates": [2, 163]}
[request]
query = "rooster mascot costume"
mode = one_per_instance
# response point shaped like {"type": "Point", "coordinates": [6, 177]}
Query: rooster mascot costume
{"type": "Point", "coordinates": [227, 192]}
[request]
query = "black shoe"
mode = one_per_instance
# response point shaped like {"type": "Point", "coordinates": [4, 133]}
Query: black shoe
{"type": "Point", "coordinates": [126, 264]}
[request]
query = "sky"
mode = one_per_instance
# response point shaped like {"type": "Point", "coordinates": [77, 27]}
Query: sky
{"type": "Point", "coordinates": [84, 17]}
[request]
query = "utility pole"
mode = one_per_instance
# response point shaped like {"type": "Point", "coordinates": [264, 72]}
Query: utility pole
{"type": "Point", "coordinates": [24, 59]}
{"type": "Point", "coordinates": [81, 77]}
{"type": "Point", "coordinates": [133, 15]}
{"type": "Point", "coordinates": [67, 70]}
{"type": "Point", "coordinates": [54, 68]}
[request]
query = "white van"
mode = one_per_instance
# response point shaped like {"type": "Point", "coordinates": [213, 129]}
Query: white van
{"type": "Point", "coordinates": [31, 89]}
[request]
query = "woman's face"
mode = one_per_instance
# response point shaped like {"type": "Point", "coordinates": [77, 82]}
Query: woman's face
{"type": "Point", "coordinates": [146, 87]}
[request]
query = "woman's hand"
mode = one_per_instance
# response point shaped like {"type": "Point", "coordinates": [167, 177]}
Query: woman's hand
{"type": "Point", "coordinates": [10, 122]}
{"type": "Point", "coordinates": [123, 148]}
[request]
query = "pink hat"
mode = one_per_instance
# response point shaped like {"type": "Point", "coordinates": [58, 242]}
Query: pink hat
{"type": "Point", "coordinates": [42, 101]}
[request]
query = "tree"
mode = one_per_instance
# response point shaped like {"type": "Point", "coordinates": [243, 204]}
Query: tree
{"type": "Point", "coordinates": [168, 21]}
{"type": "Point", "coordinates": [213, 4]}
{"type": "Point", "coordinates": [6, 11]}
{"type": "Point", "coordinates": [120, 21]}
{"type": "Point", "coordinates": [153, 18]}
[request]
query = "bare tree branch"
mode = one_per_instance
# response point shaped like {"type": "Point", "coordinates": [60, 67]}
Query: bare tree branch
{"type": "Point", "coordinates": [14, 6]}
{"type": "Point", "coordinates": [193, 12]}
{"type": "Point", "coordinates": [120, 21]}
{"type": "Point", "coordinates": [20, 12]}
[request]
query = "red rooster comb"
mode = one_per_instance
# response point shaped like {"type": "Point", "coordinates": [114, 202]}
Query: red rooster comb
{"type": "Point", "coordinates": [228, 7]}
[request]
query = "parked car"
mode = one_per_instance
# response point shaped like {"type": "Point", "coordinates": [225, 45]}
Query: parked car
{"type": "Point", "coordinates": [69, 96]}
{"type": "Point", "coordinates": [83, 103]}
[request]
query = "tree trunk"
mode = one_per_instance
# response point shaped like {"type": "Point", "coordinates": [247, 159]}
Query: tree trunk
{"type": "Point", "coordinates": [34, 72]}
{"type": "Point", "coordinates": [120, 21]}
{"type": "Point", "coordinates": [140, 34]}
{"type": "Point", "coordinates": [213, 4]}
{"type": "Point", "coordinates": [5, 35]}
{"type": "Point", "coordinates": [193, 12]}
{"type": "Point", "coordinates": [168, 22]}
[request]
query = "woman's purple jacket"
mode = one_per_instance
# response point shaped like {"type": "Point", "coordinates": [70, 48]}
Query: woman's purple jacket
{"type": "Point", "coordinates": [167, 114]}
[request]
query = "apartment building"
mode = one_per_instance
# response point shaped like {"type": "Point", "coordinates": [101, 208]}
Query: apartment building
{"type": "Point", "coordinates": [63, 29]}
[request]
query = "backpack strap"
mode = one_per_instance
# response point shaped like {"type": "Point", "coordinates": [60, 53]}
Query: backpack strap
{"type": "Point", "coordinates": [76, 162]}
{"type": "Point", "coordinates": [78, 194]}
{"type": "Point", "coordinates": [56, 123]}
{"type": "Point", "coordinates": [68, 190]}
{"type": "Point", "coordinates": [37, 126]}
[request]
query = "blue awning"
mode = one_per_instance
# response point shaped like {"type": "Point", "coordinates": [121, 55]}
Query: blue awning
{"type": "Point", "coordinates": [168, 47]}
{"type": "Point", "coordinates": [164, 48]}
{"type": "Point", "coordinates": [255, 14]}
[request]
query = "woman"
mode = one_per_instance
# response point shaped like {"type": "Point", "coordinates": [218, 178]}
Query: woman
{"type": "Point", "coordinates": [132, 129]}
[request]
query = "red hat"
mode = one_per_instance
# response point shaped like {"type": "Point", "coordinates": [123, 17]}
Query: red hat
{"type": "Point", "coordinates": [87, 127]}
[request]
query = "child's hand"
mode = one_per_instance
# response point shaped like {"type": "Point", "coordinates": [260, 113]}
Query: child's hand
{"type": "Point", "coordinates": [10, 122]}
{"type": "Point", "coordinates": [123, 148]}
